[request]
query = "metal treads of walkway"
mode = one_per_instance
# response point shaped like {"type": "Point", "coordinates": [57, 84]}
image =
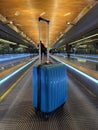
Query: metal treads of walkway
{"type": "Point", "coordinates": [79, 113]}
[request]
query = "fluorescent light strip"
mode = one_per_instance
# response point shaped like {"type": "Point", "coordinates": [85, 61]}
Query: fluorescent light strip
{"type": "Point", "coordinates": [9, 42]}
{"type": "Point", "coordinates": [84, 38]}
{"type": "Point", "coordinates": [23, 46]}
{"type": "Point", "coordinates": [87, 76]}
{"type": "Point", "coordinates": [15, 72]}
{"type": "Point", "coordinates": [66, 14]}
{"type": "Point", "coordinates": [42, 13]}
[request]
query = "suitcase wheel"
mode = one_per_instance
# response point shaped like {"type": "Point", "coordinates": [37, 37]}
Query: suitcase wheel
{"type": "Point", "coordinates": [37, 111]}
{"type": "Point", "coordinates": [46, 116]}
{"type": "Point", "coordinates": [62, 105]}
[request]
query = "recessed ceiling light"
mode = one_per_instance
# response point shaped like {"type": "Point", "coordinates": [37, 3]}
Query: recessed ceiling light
{"type": "Point", "coordinates": [42, 13]}
{"type": "Point", "coordinates": [68, 22]}
{"type": "Point", "coordinates": [11, 22]}
{"type": "Point", "coordinates": [17, 13]}
{"type": "Point", "coordinates": [67, 14]}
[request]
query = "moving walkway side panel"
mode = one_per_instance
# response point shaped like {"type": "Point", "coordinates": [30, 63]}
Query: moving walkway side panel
{"type": "Point", "coordinates": [7, 81]}
{"type": "Point", "coordinates": [90, 82]}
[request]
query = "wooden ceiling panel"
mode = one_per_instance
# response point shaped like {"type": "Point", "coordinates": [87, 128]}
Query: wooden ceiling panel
{"type": "Point", "coordinates": [25, 14]}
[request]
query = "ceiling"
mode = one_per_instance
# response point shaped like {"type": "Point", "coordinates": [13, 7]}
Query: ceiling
{"type": "Point", "coordinates": [25, 13]}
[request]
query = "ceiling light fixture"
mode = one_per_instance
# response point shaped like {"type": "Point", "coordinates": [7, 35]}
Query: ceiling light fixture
{"type": "Point", "coordinates": [83, 39]}
{"type": "Point", "coordinates": [17, 13]}
{"type": "Point", "coordinates": [42, 13]}
{"type": "Point", "coordinates": [8, 22]}
{"type": "Point", "coordinates": [69, 23]}
{"type": "Point", "coordinates": [23, 46]}
{"type": "Point", "coordinates": [11, 22]}
{"type": "Point", "coordinates": [6, 41]}
{"type": "Point", "coordinates": [66, 14]}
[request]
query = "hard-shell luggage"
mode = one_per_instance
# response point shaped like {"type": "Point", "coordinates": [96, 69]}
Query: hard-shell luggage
{"type": "Point", "coordinates": [49, 87]}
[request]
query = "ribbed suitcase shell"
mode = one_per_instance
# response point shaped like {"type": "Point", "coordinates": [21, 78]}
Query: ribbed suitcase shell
{"type": "Point", "coordinates": [53, 91]}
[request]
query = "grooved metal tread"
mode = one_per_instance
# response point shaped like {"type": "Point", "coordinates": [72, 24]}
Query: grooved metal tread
{"type": "Point", "coordinates": [79, 113]}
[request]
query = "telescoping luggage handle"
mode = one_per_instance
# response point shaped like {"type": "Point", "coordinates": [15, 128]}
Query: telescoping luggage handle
{"type": "Point", "coordinates": [42, 19]}
{"type": "Point", "coordinates": [47, 21]}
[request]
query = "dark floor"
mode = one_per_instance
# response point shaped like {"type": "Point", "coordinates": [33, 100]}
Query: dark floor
{"type": "Point", "coordinates": [79, 113]}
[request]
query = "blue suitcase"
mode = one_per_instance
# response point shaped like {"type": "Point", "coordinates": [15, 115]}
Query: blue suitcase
{"type": "Point", "coordinates": [49, 87]}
